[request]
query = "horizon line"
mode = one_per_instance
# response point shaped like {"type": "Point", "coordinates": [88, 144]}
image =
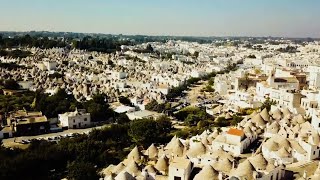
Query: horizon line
{"type": "Point", "coordinates": [198, 36]}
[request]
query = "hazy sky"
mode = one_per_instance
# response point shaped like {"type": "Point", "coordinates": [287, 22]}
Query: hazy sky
{"type": "Point", "coordinates": [290, 18]}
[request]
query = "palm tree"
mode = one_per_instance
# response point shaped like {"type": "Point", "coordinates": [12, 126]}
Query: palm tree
{"type": "Point", "coordinates": [267, 104]}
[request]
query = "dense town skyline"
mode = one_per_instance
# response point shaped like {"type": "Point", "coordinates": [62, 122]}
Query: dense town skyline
{"type": "Point", "coordinates": [160, 90]}
{"type": "Point", "coordinates": [208, 18]}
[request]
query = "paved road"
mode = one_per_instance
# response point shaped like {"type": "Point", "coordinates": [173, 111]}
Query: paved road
{"type": "Point", "coordinates": [15, 141]}
{"type": "Point", "coordinates": [194, 92]}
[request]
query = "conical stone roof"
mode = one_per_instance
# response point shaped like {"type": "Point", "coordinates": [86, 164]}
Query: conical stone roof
{"type": "Point", "coordinates": [286, 112]}
{"type": "Point", "coordinates": [244, 169]}
{"type": "Point", "coordinates": [133, 168]}
{"type": "Point", "coordinates": [258, 162]}
{"type": "Point", "coordinates": [152, 151]}
{"type": "Point", "coordinates": [299, 119]}
{"type": "Point", "coordinates": [162, 164]}
{"type": "Point", "coordinates": [197, 149]}
{"type": "Point", "coordinates": [169, 145]}
{"type": "Point", "coordinates": [283, 153]}
{"type": "Point", "coordinates": [177, 148]}
{"type": "Point", "coordinates": [253, 114]}
{"type": "Point", "coordinates": [271, 145]}
{"type": "Point", "coordinates": [223, 165]}
{"type": "Point", "coordinates": [258, 120]}
{"type": "Point", "coordinates": [150, 169]}
{"type": "Point", "coordinates": [277, 114]}
{"type": "Point", "coordinates": [134, 155]}
{"type": "Point", "coordinates": [124, 176]}
{"type": "Point", "coordinates": [207, 172]}
{"type": "Point", "coordinates": [265, 115]}
{"type": "Point", "coordinates": [274, 127]}
{"type": "Point", "coordinates": [118, 168]}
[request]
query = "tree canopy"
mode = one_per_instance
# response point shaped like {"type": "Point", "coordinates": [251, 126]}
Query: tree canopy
{"type": "Point", "coordinates": [155, 106]}
{"type": "Point", "coordinates": [147, 131]}
{"type": "Point", "coordinates": [99, 108]}
{"type": "Point", "coordinates": [83, 156]}
{"type": "Point", "coordinates": [9, 84]}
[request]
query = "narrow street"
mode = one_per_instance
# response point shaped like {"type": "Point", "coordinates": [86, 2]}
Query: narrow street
{"type": "Point", "coordinates": [16, 141]}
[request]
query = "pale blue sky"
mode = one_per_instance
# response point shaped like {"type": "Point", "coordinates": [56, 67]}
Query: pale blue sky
{"type": "Point", "coordinates": [290, 18]}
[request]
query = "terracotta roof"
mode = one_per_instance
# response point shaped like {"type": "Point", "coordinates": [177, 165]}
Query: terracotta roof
{"type": "Point", "coordinates": [236, 132]}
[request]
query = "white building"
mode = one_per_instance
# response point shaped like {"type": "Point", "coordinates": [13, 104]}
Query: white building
{"type": "Point", "coordinates": [315, 122]}
{"type": "Point", "coordinates": [198, 74]}
{"type": "Point", "coordinates": [142, 114]}
{"type": "Point", "coordinates": [281, 90]}
{"type": "Point", "coordinates": [180, 169]}
{"type": "Point", "coordinates": [286, 151]}
{"type": "Point", "coordinates": [25, 84]}
{"type": "Point", "coordinates": [77, 119]}
{"type": "Point", "coordinates": [124, 109]}
{"type": "Point", "coordinates": [223, 83]}
{"type": "Point", "coordinates": [50, 65]}
{"type": "Point", "coordinates": [314, 80]}
{"type": "Point", "coordinates": [119, 75]}
{"type": "Point", "coordinates": [234, 140]}
{"type": "Point", "coordinates": [5, 132]}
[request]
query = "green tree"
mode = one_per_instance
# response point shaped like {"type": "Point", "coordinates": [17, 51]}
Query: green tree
{"type": "Point", "coordinates": [143, 131]}
{"type": "Point", "coordinates": [192, 119]}
{"type": "Point", "coordinates": [155, 106]}
{"type": "Point", "coordinates": [152, 105]}
{"type": "Point", "coordinates": [75, 44]}
{"type": "Point", "coordinates": [125, 101]}
{"type": "Point", "coordinates": [98, 107]}
{"type": "Point", "coordinates": [82, 171]}
{"type": "Point", "coordinates": [191, 115]}
{"type": "Point", "coordinates": [211, 81]}
{"type": "Point", "coordinates": [246, 81]}
{"type": "Point", "coordinates": [252, 56]}
{"type": "Point", "coordinates": [11, 84]}
{"type": "Point", "coordinates": [221, 122]}
{"type": "Point", "coordinates": [58, 103]}
{"type": "Point", "coordinates": [235, 120]}
{"type": "Point", "coordinates": [164, 125]}
{"type": "Point", "coordinates": [267, 104]}
{"type": "Point", "coordinates": [122, 118]}
{"type": "Point", "coordinates": [196, 54]}
{"type": "Point", "coordinates": [149, 48]}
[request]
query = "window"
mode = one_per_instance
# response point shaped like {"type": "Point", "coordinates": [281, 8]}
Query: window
{"type": "Point", "coordinates": [74, 120]}
{"type": "Point", "coordinates": [85, 119]}
{"type": "Point", "coordinates": [177, 178]}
